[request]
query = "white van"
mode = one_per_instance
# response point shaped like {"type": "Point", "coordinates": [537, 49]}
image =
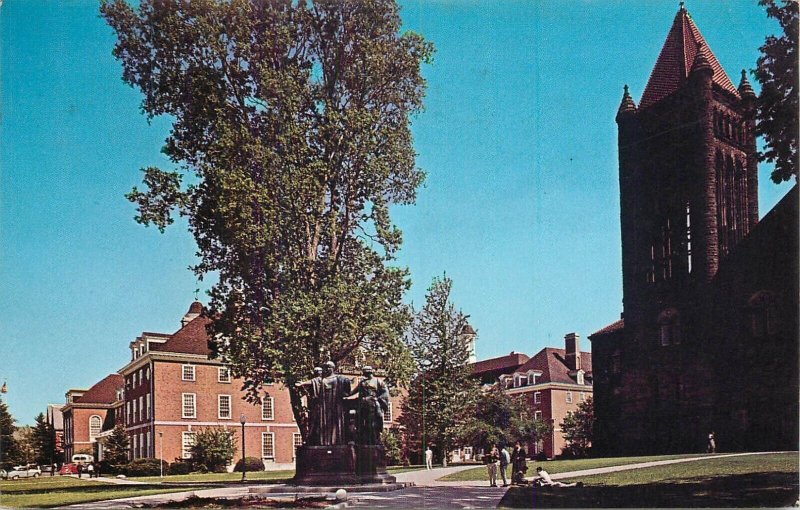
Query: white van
{"type": "Point", "coordinates": [82, 458]}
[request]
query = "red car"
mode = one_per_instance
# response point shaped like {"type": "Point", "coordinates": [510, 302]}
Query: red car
{"type": "Point", "coordinates": [68, 469]}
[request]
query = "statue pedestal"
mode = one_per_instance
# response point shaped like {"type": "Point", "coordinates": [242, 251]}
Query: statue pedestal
{"type": "Point", "coordinates": [341, 465]}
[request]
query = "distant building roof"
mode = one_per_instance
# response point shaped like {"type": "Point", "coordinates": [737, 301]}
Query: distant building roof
{"type": "Point", "coordinates": [675, 62]}
{"type": "Point", "coordinates": [552, 364]}
{"type": "Point", "coordinates": [508, 362]}
{"type": "Point", "coordinates": [190, 339]}
{"type": "Point", "coordinates": [54, 416]}
{"type": "Point", "coordinates": [611, 328]}
{"type": "Point", "coordinates": [104, 392]}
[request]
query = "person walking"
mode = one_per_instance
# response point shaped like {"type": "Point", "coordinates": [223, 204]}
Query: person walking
{"type": "Point", "coordinates": [428, 458]}
{"type": "Point", "coordinates": [90, 469]}
{"type": "Point", "coordinates": [97, 469]}
{"type": "Point", "coordinates": [712, 442]}
{"type": "Point", "coordinates": [53, 469]}
{"type": "Point", "coordinates": [80, 470]}
{"type": "Point", "coordinates": [505, 460]}
{"type": "Point", "coordinates": [492, 460]}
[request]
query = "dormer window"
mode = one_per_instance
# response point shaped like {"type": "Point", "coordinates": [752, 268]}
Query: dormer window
{"type": "Point", "coordinates": [579, 377]}
{"type": "Point", "coordinates": [532, 378]}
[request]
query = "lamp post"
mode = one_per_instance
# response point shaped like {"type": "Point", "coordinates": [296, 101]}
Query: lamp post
{"type": "Point", "coordinates": [161, 453]}
{"type": "Point", "coordinates": [242, 420]}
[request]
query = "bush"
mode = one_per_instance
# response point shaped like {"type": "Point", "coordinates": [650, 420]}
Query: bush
{"type": "Point", "coordinates": [213, 448]}
{"type": "Point", "coordinates": [252, 463]}
{"type": "Point", "coordinates": [109, 467]}
{"type": "Point", "coordinates": [145, 467]}
{"type": "Point", "coordinates": [180, 467]}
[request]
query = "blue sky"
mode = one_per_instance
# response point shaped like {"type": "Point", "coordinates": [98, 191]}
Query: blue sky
{"type": "Point", "coordinates": [518, 139]}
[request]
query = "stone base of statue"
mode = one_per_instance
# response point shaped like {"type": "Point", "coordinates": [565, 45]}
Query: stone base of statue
{"type": "Point", "coordinates": [341, 465]}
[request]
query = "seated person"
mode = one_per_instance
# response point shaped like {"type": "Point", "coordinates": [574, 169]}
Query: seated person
{"type": "Point", "coordinates": [545, 480]}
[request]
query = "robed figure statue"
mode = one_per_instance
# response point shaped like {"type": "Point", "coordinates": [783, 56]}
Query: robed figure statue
{"type": "Point", "coordinates": [326, 409]}
{"type": "Point", "coordinates": [373, 404]}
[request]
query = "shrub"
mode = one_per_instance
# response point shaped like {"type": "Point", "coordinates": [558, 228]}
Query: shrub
{"type": "Point", "coordinates": [252, 463]}
{"type": "Point", "coordinates": [180, 467]}
{"type": "Point", "coordinates": [145, 467]}
{"type": "Point", "coordinates": [109, 467]}
{"type": "Point", "coordinates": [213, 448]}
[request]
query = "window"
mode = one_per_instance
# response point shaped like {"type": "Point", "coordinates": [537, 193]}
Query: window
{"type": "Point", "coordinates": [187, 374]}
{"type": "Point", "coordinates": [223, 375]}
{"type": "Point", "coordinates": [94, 426]}
{"type": "Point", "coordinates": [147, 444]}
{"type": "Point", "coordinates": [615, 362]}
{"type": "Point", "coordinates": [537, 415]}
{"type": "Point", "coordinates": [297, 441]}
{"type": "Point", "coordinates": [135, 446]}
{"type": "Point", "coordinates": [147, 373]}
{"type": "Point", "coordinates": [224, 407]}
{"type": "Point", "coordinates": [579, 377]}
{"type": "Point", "coordinates": [187, 441]}
{"type": "Point", "coordinates": [189, 410]}
{"type": "Point", "coordinates": [136, 379]}
{"type": "Point", "coordinates": [128, 405]}
{"type": "Point", "coordinates": [531, 378]}
{"type": "Point", "coordinates": [582, 396]}
{"type": "Point", "coordinates": [141, 408]}
{"type": "Point", "coordinates": [669, 327]}
{"type": "Point", "coordinates": [537, 397]}
{"type": "Point", "coordinates": [135, 410]}
{"type": "Point", "coordinates": [147, 401]}
{"type": "Point", "coordinates": [387, 416]}
{"type": "Point", "coordinates": [268, 445]}
{"type": "Point", "coordinates": [569, 397]}
{"type": "Point", "coordinates": [763, 320]}
{"type": "Point", "coordinates": [267, 408]}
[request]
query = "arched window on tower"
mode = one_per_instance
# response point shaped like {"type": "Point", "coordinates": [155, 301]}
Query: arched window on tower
{"type": "Point", "coordinates": [763, 317]}
{"type": "Point", "coordinates": [669, 327]}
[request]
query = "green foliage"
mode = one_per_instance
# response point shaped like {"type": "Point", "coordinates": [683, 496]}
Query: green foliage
{"type": "Point", "coordinates": [252, 463]}
{"type": "Point", "coordinates": [393, 445]}
{"type": "Point", "coordinates": [501, 419]}
{"type": "Point", "coordinates": [293, 120]}
{"type": "Point", "coordinates": [578, 429]}
{"type": "Point", "coordinates": [26, 443]}
{"type": "Point", "coordinates": [180, 467]}
{"type": "Point", "coordinates": [213, 449]}
{"type": "Point", "coordinates": [777, 104]}
{"type": "Point", "coordinates": [115, 450]}
{"type": "Point", "coordinates": [44, 437]}
{"type": "Point", "coordinates": [441, 396]}
{"type": "Point", "coordinates": [145, 467]}
{"type": "Point", "coordinates": [9, 449]}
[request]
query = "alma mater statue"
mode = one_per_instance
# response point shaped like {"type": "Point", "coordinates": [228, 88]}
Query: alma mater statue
{"type": "Point", "coordinates": [326, 392]}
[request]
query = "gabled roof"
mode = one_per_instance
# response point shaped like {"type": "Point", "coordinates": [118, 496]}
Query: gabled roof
{"type": "Point", "coordinates": [190, 339]}
{"type": "Point", "coordinates": [675, 61]}
{"type": "Point", "coordinates": [552, 364]}
{"type": "Point", "coordinates": [505, 363]}
{"type": "Point", "coordinates": [104, 392]}
{"type": "Point", "coordinates": [611, 328]}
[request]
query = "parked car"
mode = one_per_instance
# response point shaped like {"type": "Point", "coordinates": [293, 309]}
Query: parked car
{"type": "Point", "coordinates": [82, 458]}
{"type": "Point", "coordinates": [29, 471]}
{"type": "Point", "coordinates": [68, 469]}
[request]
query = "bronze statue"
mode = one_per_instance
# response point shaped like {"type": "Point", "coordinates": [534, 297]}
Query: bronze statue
{"type": "Point", "coordinates": [373, 403]}
{"type": "Point", "coordinates": [326, 409]}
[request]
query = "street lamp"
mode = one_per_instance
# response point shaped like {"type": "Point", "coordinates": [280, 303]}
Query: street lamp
{"type": "Point", "coordinates": [161, 453]}
{"type": "Point", "coordinates": [242, 420]}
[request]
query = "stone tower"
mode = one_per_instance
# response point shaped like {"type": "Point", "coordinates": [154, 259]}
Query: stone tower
{"type": "Point", "coordinates": [688, 179]}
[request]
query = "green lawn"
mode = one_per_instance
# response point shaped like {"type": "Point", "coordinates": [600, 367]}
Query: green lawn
{"type": "Point", "coordinates": [748, 481]}
{"type": "Point", "coordinates": [562, 466]}
{"type": "Point", "coordinates": [252, 476]}
{"type": "Point", "coordinates": [61, 491]}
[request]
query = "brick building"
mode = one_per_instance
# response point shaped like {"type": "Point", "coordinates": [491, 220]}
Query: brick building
{"type": "Point", "coordinates": [170, 389]}
{"type": "Point", "coordinates": [708, 339]}
{"type": "Point", "coordinates": [85, 412]}
{"type": "Point", "coordinates": [553, 382]}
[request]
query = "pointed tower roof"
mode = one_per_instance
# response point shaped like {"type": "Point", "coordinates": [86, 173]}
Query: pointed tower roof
{"type": "Point", "coordinates": [676, 58]}
{"type": "Point", "coordinates": [745, 89]}
{"type": "Point", "coordinates": [627, 105]}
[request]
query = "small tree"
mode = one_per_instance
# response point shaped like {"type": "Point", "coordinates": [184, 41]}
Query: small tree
{"type": "Point", "coordinates": [9, 449]}
{"type": "Point", "coordinates": [392, 444]}
{"type": "Point", "coordinates": [441, 396]}
{"type": "Point", "coordinates": [777, 104]}
{"type": "Point", "coordinates": [115, 450]}
{"type": "Point", "coordinates": [213, 449]}
{"type": "Point", "coordinates": [578, 429]}
{"type": "Point", "coordinates": [45, 440]}
{"type": "Point", "coordinates": [26, 442]}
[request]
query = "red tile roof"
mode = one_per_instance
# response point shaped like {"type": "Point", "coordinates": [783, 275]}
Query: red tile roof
{"type": "Point", "coordinates": [104, 392]}
{"type": "Point", "coordinates": [190, 339]}
{"type": "Point", "coordinates": [552, 364]}
{"type": "Point", "coordinates": [611, 328]}
{"type": "Point", "coordinates": [509, 361]}
{"type": "Point", "coordinates": [675, 61]}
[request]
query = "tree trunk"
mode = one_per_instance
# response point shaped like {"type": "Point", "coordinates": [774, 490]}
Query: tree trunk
{"type": "Point", "coordinates": [444, 457]}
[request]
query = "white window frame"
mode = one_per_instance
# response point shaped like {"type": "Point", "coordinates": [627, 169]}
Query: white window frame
{"type": "Point", "coordinates": [271, 415]}
{"type": "Point", "coordinates": [135, 446]}
{"type": "Point", "coordinates": [537, 415]}
{"type": "Point", "coordinates": [99, 427]}
{"type": "Point", "coordinates": [297, 440]}
{"type": "Point", "coordinates": [220, 415]}
{"type": "Point", "coordinates": [388, 415]}
{"type": "Point", "coordinates": [147, 401]}
{"type": "Point", "coordinates": [129, 409]}
{"type": "Point", "coordinates": [582, 396]}
{"type": "Point", "coordinates": [188, 376]}
{"type": "Point", "coordinates": [184, 405]}
{"type": "Point", "coordinates": [537, 397]}
{"type": "Point", "coordinates": [220, 378]}
{"type": "Point", "coordinates": [187, 441]}
{"type": "Point", "coordinates": [141, 408]}
{"type": "Point", "coordinates": [135, 410]}
{"type": "Point", "coordinates": [264, 455]}
{"type": "Point", "coordinates": [569, 397]}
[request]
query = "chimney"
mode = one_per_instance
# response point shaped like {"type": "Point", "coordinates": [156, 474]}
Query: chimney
{"type": "Point", "coordinates": [573, 348]}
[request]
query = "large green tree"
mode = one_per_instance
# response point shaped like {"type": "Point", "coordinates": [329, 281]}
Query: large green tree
{"type": "Point", "coordinates": [578, 428]}
{"type": "Point", "coordinates": [441, 395]}
{"type": "Point", "coordinates": [777, 104]}
{"type": "Point", "coordinates": [44, 436]}
{"type": "Point", "coordinates": [9, 449]}
{"type": "Point", "coordinates": [115, 449]}
{"type": "Point", "coordinates": [292, 120]}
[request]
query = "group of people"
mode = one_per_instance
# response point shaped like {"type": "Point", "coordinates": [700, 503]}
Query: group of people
{"type": "Point", "coordinates": [91, 468]}
{"type": "Point", "coordinates": [499, 460]}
